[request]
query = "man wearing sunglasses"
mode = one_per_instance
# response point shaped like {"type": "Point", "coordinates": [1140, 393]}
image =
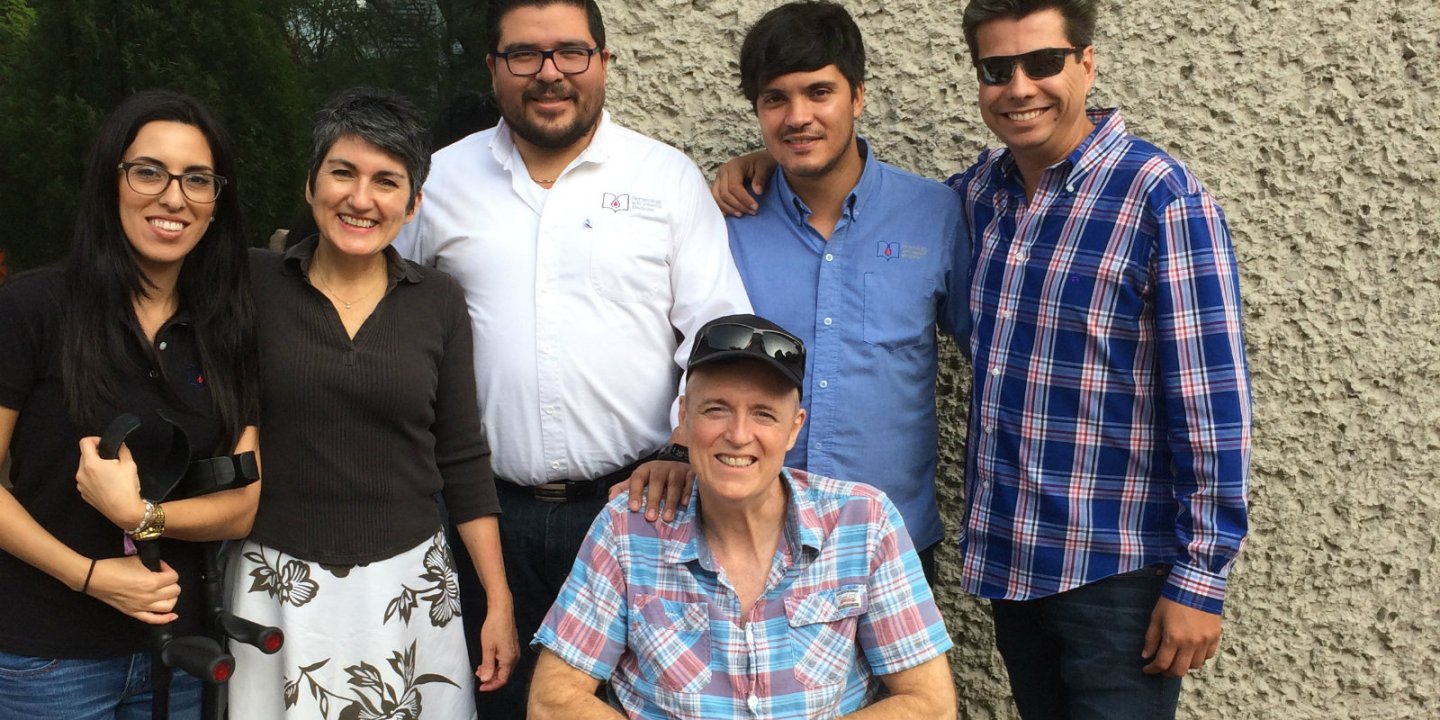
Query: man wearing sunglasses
{"type": "Point", "coordinates": [1109, 432]}
{"type": "Point", "coordinates": [857, 256]}
{"type": "Point", "coordinates": [774, 593]}
{"type": "Point", "coordinates": [1108, 445]}
{"type": "Point", "coordinates": [590, 256]}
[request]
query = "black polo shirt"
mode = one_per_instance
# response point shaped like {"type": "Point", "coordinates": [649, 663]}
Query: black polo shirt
{"type": "Point", "coordinates": [39, 615]}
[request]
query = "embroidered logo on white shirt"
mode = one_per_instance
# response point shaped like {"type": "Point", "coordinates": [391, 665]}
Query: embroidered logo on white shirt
{"type": "Point", "coordinates": [616, 203]}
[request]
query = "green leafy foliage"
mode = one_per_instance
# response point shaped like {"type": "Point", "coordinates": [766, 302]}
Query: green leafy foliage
{"type": "Point", "coordinates": [262, 66]}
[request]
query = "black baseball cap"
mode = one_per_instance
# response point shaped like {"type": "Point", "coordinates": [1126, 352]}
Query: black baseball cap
{"type": "Point", "coordinates": [737, 337]}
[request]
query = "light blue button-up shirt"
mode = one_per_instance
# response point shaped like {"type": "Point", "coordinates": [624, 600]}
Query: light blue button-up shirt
{"type": "Point", "coordinates": [866, 303]}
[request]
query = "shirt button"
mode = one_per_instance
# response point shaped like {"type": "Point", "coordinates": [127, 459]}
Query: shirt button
{"type": "Point", "coordinates": [828, 321]}
{"type": "Point", "coordinates": [824, 383]}
{"type": "Point", "coordinates": [164, 344]}
{"type": "Point", "coordinates": [154, 373]}
{"type": "Point", "coordinates": [1020, 257]}
{"type": "Point", "coordinates": [754, 703]}
{"type": "Point", "coordinates": [989, 429]}
{"type": "Point", "coordinates": [994, 372]}
{"type": "Point", "coordinates": [549, 410]}
{"type": "Point", "coordinates": [555, 465]}
{"type": "Point", "coordinates": [829, 257]}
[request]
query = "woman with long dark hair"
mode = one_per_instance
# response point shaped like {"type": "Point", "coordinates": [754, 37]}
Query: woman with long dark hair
{"type": "Point", "coordinates": [150, 315]}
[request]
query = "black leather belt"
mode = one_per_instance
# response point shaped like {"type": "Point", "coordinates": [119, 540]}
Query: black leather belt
{"type": "Point", "coordinates": [566, 491]}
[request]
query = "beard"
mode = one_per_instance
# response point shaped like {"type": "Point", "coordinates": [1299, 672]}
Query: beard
{"type": "Point", "coordinates": [829, 165]}
{"type": "Point", "coordinates": [553, 136]}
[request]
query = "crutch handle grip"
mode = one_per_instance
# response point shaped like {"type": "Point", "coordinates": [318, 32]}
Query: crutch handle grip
{"type": "Point", "coordinates": [268, 638]}
{"type": "Point", "coordinates": [200, 656]}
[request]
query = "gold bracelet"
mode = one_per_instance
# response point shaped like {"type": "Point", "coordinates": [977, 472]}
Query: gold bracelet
{"type": "Point", "coordinates": [153, 529]}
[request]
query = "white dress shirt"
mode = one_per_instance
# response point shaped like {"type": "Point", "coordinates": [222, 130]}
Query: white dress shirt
{"type": "Point", "coordinates": [577, 293]}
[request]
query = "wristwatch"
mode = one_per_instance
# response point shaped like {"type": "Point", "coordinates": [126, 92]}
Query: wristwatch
{"type": "Point", "coordinates": [154, 524]}
{"type": "Point", "coordinates": [674, 452]}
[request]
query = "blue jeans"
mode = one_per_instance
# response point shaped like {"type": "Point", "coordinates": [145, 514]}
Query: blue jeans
{"type": "Point", "coordinates": [539, 542]}
{"type": "Point", "coordinates": [88, 689]}
{"type": "Point", "coordinates": [1076, 655]}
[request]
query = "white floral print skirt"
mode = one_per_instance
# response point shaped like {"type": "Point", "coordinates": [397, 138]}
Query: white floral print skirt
{"type": "Point", "coordinates": [362, 642]}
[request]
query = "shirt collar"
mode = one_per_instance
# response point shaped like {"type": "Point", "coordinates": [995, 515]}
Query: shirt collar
{"type": "Point", "coordinates": [1109, 129]}
{"type": "Point", "coordinates": [297, 262]}
{"type": "Point", "coordinates": [602, 143]}
{"type": "Point", "coordinates": [801, 529]}
{"type": "Point", "coordinates": [855, 202]}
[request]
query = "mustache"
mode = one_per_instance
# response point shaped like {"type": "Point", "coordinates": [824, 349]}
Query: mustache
{"type": "Point", "coordinates": [551, 91]}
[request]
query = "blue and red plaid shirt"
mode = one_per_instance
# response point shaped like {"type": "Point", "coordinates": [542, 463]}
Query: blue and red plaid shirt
{"type": "Point", "coordinates": [1110, 413]}
{"type": "Point", "coordinates": [647, 607]}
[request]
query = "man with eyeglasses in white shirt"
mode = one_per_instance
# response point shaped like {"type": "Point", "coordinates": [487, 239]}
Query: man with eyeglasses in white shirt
{"type": "Point", "coordinates": [590, 255]}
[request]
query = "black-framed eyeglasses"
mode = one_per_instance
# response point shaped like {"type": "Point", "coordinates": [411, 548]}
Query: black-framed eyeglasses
{"type": "Point", "coordinates": [999, 70]}
{"type": "Point", "coordinates": [735, 336]}
{"type": "Point", "coordinates": [568, 60]}
{"type": "Point", "coordinates": [148, 179]}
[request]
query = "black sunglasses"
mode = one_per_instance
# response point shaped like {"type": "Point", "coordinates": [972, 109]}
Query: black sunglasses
{"type": "Point", "coordinates": [999, 70]}
{"type": "Point", "coordinates": [733, 336]}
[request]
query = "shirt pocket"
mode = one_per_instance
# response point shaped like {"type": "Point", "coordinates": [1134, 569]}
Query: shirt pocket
{"type": "Point", "coordinates": [895, 309]}
{"type": "Point", "coordinates": [1103, 292]}
{"type": "Point", "coordinates": [672, 642]}
{"type": "Point", "coordinates": [822, 633]}
{"type": "Point", "coordinates": [629, 259]}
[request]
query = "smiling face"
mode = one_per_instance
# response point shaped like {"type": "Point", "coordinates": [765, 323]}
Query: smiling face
{"type": "Point", "coordinates": [550, 110]}
{"type": "Point", "coordinates": [164, 228]}
{"type": "Point", "coordinates": [1042, 120]}
{"type": "Point", "coordinates": [359, 197]}
{"type": "Point", "coordinates": [808, 122]}
{"type": "Point", "coordinates": [739, 419]}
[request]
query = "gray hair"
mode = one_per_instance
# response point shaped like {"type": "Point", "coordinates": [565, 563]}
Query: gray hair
{"type": "Point", "coordinates": [383, 118]}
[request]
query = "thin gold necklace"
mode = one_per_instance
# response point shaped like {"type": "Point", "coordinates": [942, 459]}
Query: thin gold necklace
{"type": "Point", "coordinates": [331, 292]}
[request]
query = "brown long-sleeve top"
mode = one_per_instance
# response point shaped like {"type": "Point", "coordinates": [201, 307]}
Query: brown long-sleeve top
{"type": "Point", "coordinates": [358, 435]}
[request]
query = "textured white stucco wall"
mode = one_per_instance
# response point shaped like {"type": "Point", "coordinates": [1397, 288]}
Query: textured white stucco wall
{"type": "Point", "coordinates": [1315, 124]}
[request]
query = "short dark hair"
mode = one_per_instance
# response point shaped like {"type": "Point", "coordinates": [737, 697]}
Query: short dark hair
{"type": "Point", "coordinates": [498, 9]}
{"type": "Point", "coordinates": [383, 118]}
{"type": "Point", "coordinates": [800, 37]}
{"type": "Point", "coordinates": [1079, 18]}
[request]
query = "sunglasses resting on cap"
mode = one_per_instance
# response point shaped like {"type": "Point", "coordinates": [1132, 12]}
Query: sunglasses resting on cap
{"type": "Point", "coordinates": [742, 336]}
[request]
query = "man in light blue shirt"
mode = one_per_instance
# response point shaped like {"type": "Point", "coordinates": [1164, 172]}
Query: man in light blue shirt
{"type": "Point", "coordinates": [861, 260]}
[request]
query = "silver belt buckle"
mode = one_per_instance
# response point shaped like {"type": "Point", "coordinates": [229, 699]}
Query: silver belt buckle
{"type": "Point", "coordinates": [551, 492]}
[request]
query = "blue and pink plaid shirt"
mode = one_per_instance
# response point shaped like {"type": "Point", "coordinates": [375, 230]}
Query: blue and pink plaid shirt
{"type": "Point", "coordinates": [1110, 414]}
{"type": "Point", "coordinates": [647, 607]}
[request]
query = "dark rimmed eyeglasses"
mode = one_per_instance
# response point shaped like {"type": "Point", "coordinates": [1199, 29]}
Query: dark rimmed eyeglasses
{"type": "Point", "coordinates": [735, 336]}
{"type": "Point", "coordinates": [999, 70]}
{"type": "Point", "coordinates": [568, 60]}
{"type": "Point", "coordinates": [147, 179]}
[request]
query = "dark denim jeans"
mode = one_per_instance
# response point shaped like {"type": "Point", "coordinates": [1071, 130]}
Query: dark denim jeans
{"type": "Point", "coordinates": [539, 543]}
{"type": "Point", "coordinates": [1076, 655]}
{"type": "Point", "coordinates": [104, 689]}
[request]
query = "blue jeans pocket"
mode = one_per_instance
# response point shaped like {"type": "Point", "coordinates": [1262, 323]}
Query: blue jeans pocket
{"type": "Point", "coordinates": [24, 667]}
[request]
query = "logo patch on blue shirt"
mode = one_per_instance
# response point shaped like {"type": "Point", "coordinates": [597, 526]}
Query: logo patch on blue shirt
{"type": "Point", "coordinates": [887, 250]}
